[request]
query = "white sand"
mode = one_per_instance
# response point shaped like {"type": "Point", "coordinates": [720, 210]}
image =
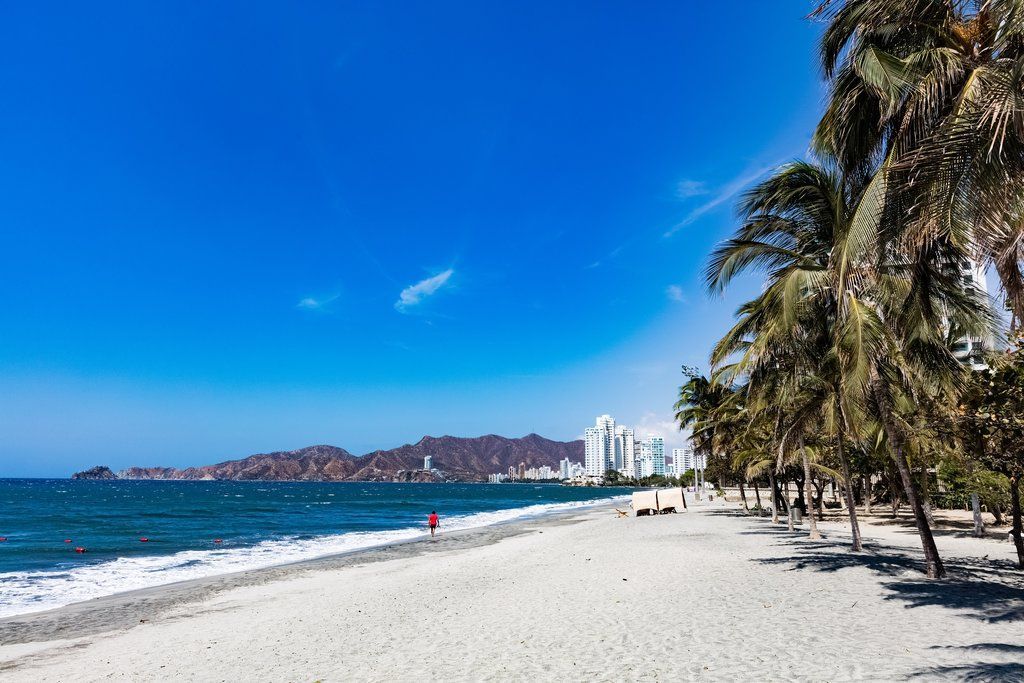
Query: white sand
{"type": "Point", "coordinates": [704, 595]}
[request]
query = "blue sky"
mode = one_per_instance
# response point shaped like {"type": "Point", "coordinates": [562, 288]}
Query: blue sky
{"type": "Point", "coordinates": [230, 228]}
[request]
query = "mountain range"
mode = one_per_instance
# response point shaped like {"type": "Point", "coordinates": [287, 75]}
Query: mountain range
{"type": "Point", "coordinates": [453, 459]}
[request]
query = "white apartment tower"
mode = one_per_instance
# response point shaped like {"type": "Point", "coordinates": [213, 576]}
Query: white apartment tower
{"type": "Point", "coordinates": [564, 469]}
{"type": "Point", "coordinates": [970, 350]}
{"type": "Point", "coordinates": [625, 451]}
{"type": "Point", "coordinates": [682, 460]}
{"type": "Point", "coordinates": [599, 446]}
{"type": "Point", "coordinates": [428, 463]}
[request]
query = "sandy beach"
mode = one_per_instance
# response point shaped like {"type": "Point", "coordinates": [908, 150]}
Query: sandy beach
{"type": "Point", "coordinates": [708, 595]}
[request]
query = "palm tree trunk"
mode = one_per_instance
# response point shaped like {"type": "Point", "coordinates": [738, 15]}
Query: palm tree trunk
{"type": "Point", "coordinates": [925, 498]}
{"type": "Point", "coordinates": [851, 504]}
{"type": "Point", "coordinates": [932, 561]}
{"type": "Point", "coordinates": [979, 523]}
{"type": "Point", "coordinates": [997, 515]}
{"type": "Point", "coordinates": [775, 496]}
{"type": "Point", "coordinates": [867, 494]}
{"type": "Point", "coordinates": [757, 494]}
{"type": "Point", "coordinates": [743, 497]}
{"type": "Point", "coordinates": [1017, 531]}
{"type": "Point", "coordinates": [809, 502]}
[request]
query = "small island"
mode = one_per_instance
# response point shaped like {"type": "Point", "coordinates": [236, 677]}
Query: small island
{"type": "Point", "coordinates": [98, 472]}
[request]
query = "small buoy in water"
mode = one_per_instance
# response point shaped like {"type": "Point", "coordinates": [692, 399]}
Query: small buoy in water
{"type": "Point", "coordinates": [217, 540]}
{"type": "Point", "coordinates": [143, 540]}
{"type": "Point", "coordinates": [67, 540]}
{"type": "Point", "coordinates": [79, 549]}
{"type": "Point", "coordinates": [2, 539]}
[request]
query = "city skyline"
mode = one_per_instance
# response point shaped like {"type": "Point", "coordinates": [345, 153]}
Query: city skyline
{"type": "Point", "coordinates": [612, 447]}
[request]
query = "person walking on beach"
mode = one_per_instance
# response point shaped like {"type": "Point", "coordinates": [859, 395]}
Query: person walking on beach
{"type": "Point", "coordinates": [432, 521]}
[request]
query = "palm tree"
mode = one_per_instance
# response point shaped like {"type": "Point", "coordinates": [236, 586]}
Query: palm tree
{"type": "Point", "coordinates": [699, 398]}
{"type": "Point", "coordinates": [845, 306]}
{"type": "Point", "coordinates": [791, 226]}
{"type": "Point", "coordinates": [925, 112]}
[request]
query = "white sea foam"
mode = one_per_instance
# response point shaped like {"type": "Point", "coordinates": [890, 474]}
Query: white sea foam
{"type": "Point", "coordinates": [35, 591]}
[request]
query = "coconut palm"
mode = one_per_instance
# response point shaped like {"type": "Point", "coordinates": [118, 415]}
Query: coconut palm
{"type": "Point", "coordinates": [844, 305]}
{"type": "Point", "coordinates": [927, 113]}
{"type": "Point", "coordinates": [699, 398]}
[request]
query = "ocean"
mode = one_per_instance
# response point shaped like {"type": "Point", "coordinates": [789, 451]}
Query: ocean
{"type": "Point", "coordinates": [195, 529]}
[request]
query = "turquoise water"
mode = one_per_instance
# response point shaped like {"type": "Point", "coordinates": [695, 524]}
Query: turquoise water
{"type": "Point", "coordinates": [196, 529]}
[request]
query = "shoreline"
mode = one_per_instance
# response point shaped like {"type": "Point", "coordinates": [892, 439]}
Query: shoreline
{"type": "Point", "coordinates": [129, 608]}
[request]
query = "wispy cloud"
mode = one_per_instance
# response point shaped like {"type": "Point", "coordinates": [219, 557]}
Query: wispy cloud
{"type": "Point", "coordinates": [412, 295]}
{"type": "Point", "coordinates": [611, 255]}
{"type": "Point", "coordinates": [691, 188]}
{"type": "Point", "coordinates": [727, 192]}
{"type": "Point", "coordinates": [675, 293]}
{"type": "Point", "coordinates": [311, 303]}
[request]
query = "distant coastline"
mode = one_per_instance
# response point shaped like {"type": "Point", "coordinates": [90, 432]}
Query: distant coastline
{"type": "Point", "coordinates": [431, 459]}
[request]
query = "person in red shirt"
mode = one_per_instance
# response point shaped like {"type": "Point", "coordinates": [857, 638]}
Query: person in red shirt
{"type": "Point", "coordinates": [432, 521]}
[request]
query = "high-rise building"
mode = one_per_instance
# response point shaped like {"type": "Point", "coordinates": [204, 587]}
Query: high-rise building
{"type": "Point", "coordinates": [658, 454]}
{"type": "Point", "coordinates": [682, 460]}
{"type": "Point", "coordinates": [970, 350]}
{"type": "Point", "coordinates": [652, 457]}
{"type": "Point", "coordinates": [428, 463]}
{"type": "Point", "coordinates": [522, 471]}
{"type": "Point", "coordinates": [564, 468]}
{"type": "Point", "coordinates": [644, 461]}
{"type": "Point", "coordinates": [599, 446]}
{"type": "Point", "coordinates": [625, 451]}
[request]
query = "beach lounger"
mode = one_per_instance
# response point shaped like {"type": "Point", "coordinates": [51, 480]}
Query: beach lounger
{"type": "Point", "coordinates": [670, 500]}
{"type": "Point", "coordinates": [645, 503]}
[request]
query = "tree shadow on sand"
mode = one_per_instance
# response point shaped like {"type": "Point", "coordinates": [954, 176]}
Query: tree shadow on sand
{"type": "Point", "coordinates": [984, 589]}
{"type": "Point", "coordinates": [979, 671]}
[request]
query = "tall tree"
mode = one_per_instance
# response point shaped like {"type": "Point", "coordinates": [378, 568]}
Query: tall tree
{"type": "Point", "coordinates": [845, 305]}
{"type": "Point", "coordinates": [926, 111]}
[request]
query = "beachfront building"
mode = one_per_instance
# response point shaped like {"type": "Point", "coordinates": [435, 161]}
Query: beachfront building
{"type": "Point", "coordinates": [542, 473]}
{"type": "Point", "coordinates": [657, 446]}
{"type": "Point", "coordinates": [625, 451]}
{"type": "Point", "coordinates": [652, 457]}
{"type": "Point", "coordinates": [599, 446]}
{"type": "Point", "coordinates": [684, 460]}
{"type": "Point", "coordinates": [563, 469]}
{"type": "Point", "coordinates": [970, 350]}
{"type": "Point", "coordinates": [428, 463]}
